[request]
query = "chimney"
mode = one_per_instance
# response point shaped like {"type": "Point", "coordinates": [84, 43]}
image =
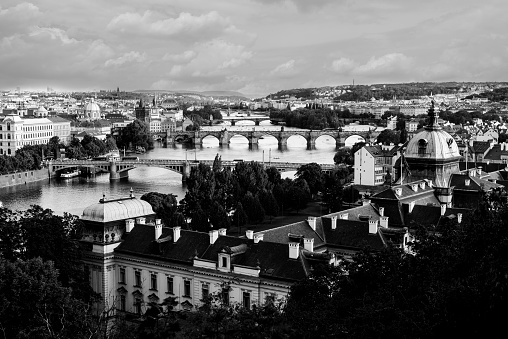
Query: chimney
{"type": "Point", "coordinates": [312, 222]}
{"type": "Point", "coordinates": [411, 206]}
{"type": "Point", "coordinates": [213, 236]}
{"type": "Point", "coordinates": [366, 202]}
{"type": "Point", "coordinates": [471, 173]}
{"type": "Point", "coordinates": [414, 187]}
{"type": "Point", "coordinates": [467, 182]}
{"type": "Point", "coordinates": [381, 211]}
{"type": "Point", "coordinates": [222, 231]}
{"type": "Point", "coordinates": [129, 225]}
{"type": "Point", "coordinates": [344, 216]}
{"type": "Point", "coordinates": [294, 250]}
{"type": "Point", "coordinates": [258, 238]}
{"type": "Point", "coordinates": [140, 220]}
{"type": "Point", "coordinates": [383, 222]}
{"type": "Point", "coordinates": [249, 234]}
{"type": "Point", "coordinates": [334, 222]}
{"type": "Point", "coordinates": [459, 217]}
{"type": "Point", "coordinates": [176, 233]}
{"type": "Point", "coordinates": [372, 226]}
{"type": "Point", "coordinates": [479, 171]}
{"type": "Point", "coordinates": [443, 209]}
{"type": "Point", "coordinates": [430, 183]}
{"type": "Point", "coordinates": [422, 185]}
{"type": "Point", "coordinates": [308, 244]}
{"type": "Point", "coordinates": [398, 191]}
{"type": "Point", "coordinates": [158, 229]}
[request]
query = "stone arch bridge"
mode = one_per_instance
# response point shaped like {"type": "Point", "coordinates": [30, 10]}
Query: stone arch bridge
{"type": "Point", "coordinates": [224, 136]}
{"type": "Point", "coordinates": [119, 169]}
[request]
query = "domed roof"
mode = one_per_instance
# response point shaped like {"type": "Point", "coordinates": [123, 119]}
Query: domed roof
{"type": "Point", "coordinates": [92, 107]}
{"type": "Point", "coordinates": [117, 209]}
{"type": "Point", "coordinates": [41, 110]}
{"type": "Point", "coordinates": [432, 144]}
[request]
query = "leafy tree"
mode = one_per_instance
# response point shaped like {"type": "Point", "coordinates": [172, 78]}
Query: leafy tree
{"type": "Point", "coordinates": [240, 218]}
{"type": "Point", "coordinates": [253, 208]}
{"type": "Point", "coordinates": [36, 305]}
{"type": "Point", "coordinates": [388, 136]}
{"type": "Point", "coordinates": [218, 216]}
{"type": "Point", "coordinates": [313, 175]}
{"type": "Point", "coordinates": [164, 205]}
{"type": "Point", "coordinates": [269, 203]}
{"type": "Point", "coordinates": [274, 177]}
{"type": "Point", "coordinates": [135, 134]}
{"type": "Point", "coordinates": [199, 221]}
{"type": "Point", "coordinates": [343, 156]}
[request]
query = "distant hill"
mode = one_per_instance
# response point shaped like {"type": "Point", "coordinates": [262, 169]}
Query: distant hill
{"type": "Point", "coordinates": [204, 93]}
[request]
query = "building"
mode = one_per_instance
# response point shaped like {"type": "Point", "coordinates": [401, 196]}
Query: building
{"type": "Point", "coordinates": [133, 260]}
{"type": "Point", "coordinates": [91, 111]}
{"type": "Point", "coordinates": [61, 129]}
{"type": "Point", "coordinates": [411, 125]}
{"type": "Point", "coordinates": [431, 154]}
{"type": "Point", "coordinates": [373, 163]}
{"type": "Point", "coordinates": [16, 132]}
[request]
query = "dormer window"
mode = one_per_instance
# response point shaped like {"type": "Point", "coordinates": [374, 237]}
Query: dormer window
{"type": "Point", "coordinates": [422, 146]}
{"type": "Point", "coordinates": [224, 261]}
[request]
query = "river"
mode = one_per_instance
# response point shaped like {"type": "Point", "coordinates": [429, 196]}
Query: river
{"type": "Point", "coordinates": [73, 195]}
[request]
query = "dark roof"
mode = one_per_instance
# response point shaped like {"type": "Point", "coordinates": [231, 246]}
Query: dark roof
{"type": "Point", "coordinates": [475, 184]}
{"type": "Point", "coordinates": [378, 151]}
{"type": "Point", "coordinates": [495, 153]}
{"type": "Point", "coordinates": [58, 119]}
{"type": "Point", "coordinates": [431, 215]}
{"type": "Point", "coordinates": [351, 234]}
{"type": "Point", "coordinates": [272, 258]}
{"type": "Point", "coordinates": [480, 146]}
{"type": "Point", "coordinates": [407, 192]}
{"type": "Point", "coordinates": [141, 241]}
{"type": "Point", "coordinates": [280, 234]}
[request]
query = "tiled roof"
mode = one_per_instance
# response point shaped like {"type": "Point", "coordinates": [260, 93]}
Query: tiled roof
{"type": "Point", "coordinates": [495, 153]}
{"type": "Point", "coordinates": [406, 191]}
{"type": "Point", "coordinates": [480, 146]}
{"type": "Point", "coordinates": [475, 183]}
{"type": "Point", "coordinates": [431, 215]}
{"type": "Point", "coordinates": [351, 234]}
{"type": "Point", "coordinates": [378, 151]}
{"type": "Point", "coordinates": [280, 234]}
{"type": "Point", "coordinates": [141, 241]}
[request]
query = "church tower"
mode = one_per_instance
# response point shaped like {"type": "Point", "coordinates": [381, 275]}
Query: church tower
{"type": "Point", "coordinates": [431, 154]}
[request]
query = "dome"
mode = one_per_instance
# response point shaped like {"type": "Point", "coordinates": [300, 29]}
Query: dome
{"type": "Point", "coordinates": [117, 209]}
{"type": "Point", "coordinates": [41, 111]}
{"type": "Point", "coordinates": [92, 107]}
{"type": "Point", "coordinates": [432, 144]}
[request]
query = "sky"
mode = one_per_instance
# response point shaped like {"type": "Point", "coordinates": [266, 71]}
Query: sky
{"type": "Point", "coordinates": [255, 47]}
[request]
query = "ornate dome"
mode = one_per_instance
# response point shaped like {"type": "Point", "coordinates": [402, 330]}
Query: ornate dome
{"type": "Point", "coordinates": [432, 142]}
{"type": "Point", "coordinates": [41, 112]}
{"type": "Point", "coordinates": [117, 209]}
{"type": "Point", "coordinates": [92, 110]}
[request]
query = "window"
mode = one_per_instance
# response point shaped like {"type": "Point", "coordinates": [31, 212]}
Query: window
{"type": "Point", "coordinates": [246, 300]}
{"type": "Point", "coordinates": [137, 278]}
{"type": "Point", "coordinates": [205, 290]}
{"type": "Point", "coordinates": [224, 262]}
{"type": "Point", "coordinates": [422, 146]}
{"type": "Point", "coordinates": [153, 281]}
{"type": "Point", "coordinates": [122, 302]}
{"type": "Point", "coordinates": [186, 288]}
{"type": "Point", "coordinates": [169, 281]}
{"type": "Point", "coordinates": [225, 296]}
{"type": "Point", "coordinates": [122, 276]}
{"type": "Point", "coordinates": [269, 298]}
{"type": "Point", "coordinates": [137, 306]}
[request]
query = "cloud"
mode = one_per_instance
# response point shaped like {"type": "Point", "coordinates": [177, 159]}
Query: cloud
{"type": "Point", "coordinates": [215, 58]}
{"type": "Point", "coordinates": [129, 57]}
{"type": "Point", "coordinates": [53, 34]}
{"type": "Point", "coordinates": [284, 69]}
{"type": "Point", "coordinates": [299, 4]}
{"type": "Point", "coordinates": [185, 25]}
{"type": "Point", "coordinates": [18, 19]}
{"type": "Point", "coordinates": [180, 58]}
{"type": "Point", "coordinates": [387, 65]}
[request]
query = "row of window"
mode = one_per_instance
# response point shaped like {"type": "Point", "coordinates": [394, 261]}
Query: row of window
{"type": "Point", "coordinates": [170, 286]}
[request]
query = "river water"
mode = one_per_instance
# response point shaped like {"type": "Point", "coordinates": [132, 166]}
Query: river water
{"type": "Point", "coordinates": [73, 195]}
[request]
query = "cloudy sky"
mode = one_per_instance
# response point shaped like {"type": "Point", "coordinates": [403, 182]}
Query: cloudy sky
{"type": "Point", "coordinates": [256, 47]}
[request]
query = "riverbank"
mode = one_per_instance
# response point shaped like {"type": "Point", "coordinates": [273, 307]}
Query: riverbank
{"type": "Point", "coordinates": [23, 178]}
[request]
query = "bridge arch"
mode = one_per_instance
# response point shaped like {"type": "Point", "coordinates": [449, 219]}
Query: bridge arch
{"type": "Point", "coordinates": [353, 139]}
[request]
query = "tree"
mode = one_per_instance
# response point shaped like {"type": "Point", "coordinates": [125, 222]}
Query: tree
{"type": "Point", "coordinates": [313, 175]}
{"type": "Point", "coordinates": [199, 221]}
{"type": "Point", "coordinates": [269, 203]}
{"type": "Point", "coordinates": [36, 305]}
{"type": "Point", "coordinates": [135, 134]}
{"type": "Point", "coordinates": [342, 156]}
{"type": "Point", "coordinates": [388, 136]}
{"type": "Point", "coordinates": [253, 208]}
{"type": "Point", "coordinates": [218, 216]}
{"type": "Point", "coordinates": [239, 216]}
{"type": "Point", "coordinates": [164, 205]}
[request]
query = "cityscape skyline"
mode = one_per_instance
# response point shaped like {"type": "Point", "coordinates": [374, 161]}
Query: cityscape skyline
{"type": "Point", "coordinates": [255, 47]}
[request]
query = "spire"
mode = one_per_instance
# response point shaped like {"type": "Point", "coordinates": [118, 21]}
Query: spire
{"type": "Point", "coordinates": [433, 118]}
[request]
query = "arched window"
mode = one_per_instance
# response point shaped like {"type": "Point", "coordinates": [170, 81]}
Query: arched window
{"type": "Point", "coordinates": [422, 146]}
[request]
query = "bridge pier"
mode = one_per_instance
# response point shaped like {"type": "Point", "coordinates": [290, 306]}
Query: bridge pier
{"type": "Point", "coordinates": [340, 142]}
{"type": "Point", "coordinates": [256, 122]}
{"type": "Point", "coordinates": [186, 169]}
{"type": "Point", "coordinates": [233, 123]}
{"type": "Point", "coordinates": [114, 174]}
{"type": "Point", "coordinates": [311, 143]}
